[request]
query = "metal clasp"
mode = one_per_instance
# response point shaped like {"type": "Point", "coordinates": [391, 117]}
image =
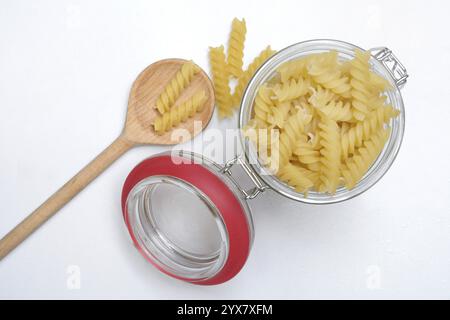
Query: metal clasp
{"type": "Point", "coordinates": [259, 185]}
{"type": "Point", "coordinates": [390, 61]}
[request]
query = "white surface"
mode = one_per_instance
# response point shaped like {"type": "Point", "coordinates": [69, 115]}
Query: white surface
{"type": "Point", "coordinates": [65, 71]}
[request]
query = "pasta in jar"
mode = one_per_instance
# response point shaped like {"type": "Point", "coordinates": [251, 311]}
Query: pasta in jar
{"type": "Point", "coordinates": [332, 119]}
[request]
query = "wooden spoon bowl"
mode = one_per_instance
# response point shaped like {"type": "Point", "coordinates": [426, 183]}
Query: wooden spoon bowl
{"type": "Point", "coordinates": [142, 101]}
{"type": "Point", "coordinates": [138, 130]}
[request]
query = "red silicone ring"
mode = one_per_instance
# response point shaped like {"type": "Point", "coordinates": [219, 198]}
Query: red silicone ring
{"type": "Point", "coordinates": [217, 191]}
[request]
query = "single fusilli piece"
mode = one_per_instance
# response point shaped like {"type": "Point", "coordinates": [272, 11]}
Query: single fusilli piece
{"type": "Point", "coordinates": [180, 113]}
{"type": "Point", "coordinates": [178, 83]}
{"type": "Point", "coordinates": [359, 71]}
{"type": "Point", "coordinates": [330, 155]}
{"type": "Point", "coordinates": [252, 130]}
{"type": "Point", "coordinates": [291, 90]}
{"type": "Point", "coordinates": [361, 131]}
{"type": "Point", "coordinates": [293, 69]}
{"type": "Point", "coordinates": [220, 79]}
{"type": "Point", "coordinates": [306, 152]}
{"type": "Point", "coordinates": [296, 177]}
{"type": "Point", "coordinates": [300, 67]}
{"type": "Point", "coordinates": [379, 83]}
{"type": "Point", "coordinates": [236, 47]}
{"type": "Point", "coordinates": [292, 130]}
{"type": "Point", "coordinates": [337, 110]}
{"type": "Point", "coordinates": [331, 78]}
{"type": "Point", "coordinates": [320, 96]}
{"type": "Point", "coordinates": [263, 104]}
{"type": "Point", "coordinates": [249, 72]}
{"type": "Point", "coordinates": [278, 114]}
{"type": "Point", "coordinates": [356, 167]}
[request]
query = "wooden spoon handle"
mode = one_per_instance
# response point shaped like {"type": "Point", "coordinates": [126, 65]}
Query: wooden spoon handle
{"type": "Point", "coordinates": [63, 195]}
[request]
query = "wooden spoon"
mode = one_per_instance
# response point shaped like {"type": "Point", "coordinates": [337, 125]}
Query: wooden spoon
{"type": "Point", "coordinates": [138, 130]}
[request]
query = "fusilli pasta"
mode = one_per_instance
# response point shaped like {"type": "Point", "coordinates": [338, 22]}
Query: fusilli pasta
{"type": "Point", "coordinates": [293, 69]}
{"type": "Point", "coordinates": [356, 167]}
{"type": "Point", "coordinates": [331, 116]}
{"type": "Point", "coordinates": [291, 90]}
{"type": "Point", "coordinates": [180, 113]}
{"type": "Point", "coordinates": [180, 81]}
{"type": "Point", "coordinates": [263, 104]}
{"type": "Point", "coordinates": [293, 129]}
{"type": "Point", "coordinates": [360, 70]}
{"type": "Point", "coordinates": [337, 110]}
{"type": "Point", "coordinates": [363, 130]}
{"type": "Point", "coordinates": [278, 114]}
{"type": "Point", "coordinates": [249, 72]}
{"type": "Point", "coordinates": [330, 155]}
{"type": "Point", "coordinates": [236, 47]}
{"type": "Point", "coordinates": [306, 151]}
{"type": "Point", "coordinates": [329, 76]}
{"type": "Point", "coordinates": [232, 69]}
{"type": "Point", "coordinates": [296, 177]}
{"type": "Point", "coordinates": [220, 79]}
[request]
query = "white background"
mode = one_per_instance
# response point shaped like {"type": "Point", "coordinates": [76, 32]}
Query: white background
{"type": "Point", "coordinates": [65, 71]}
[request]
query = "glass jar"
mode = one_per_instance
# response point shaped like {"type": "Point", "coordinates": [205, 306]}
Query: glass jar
{"type": "Point", "coordinates": [189, 216]}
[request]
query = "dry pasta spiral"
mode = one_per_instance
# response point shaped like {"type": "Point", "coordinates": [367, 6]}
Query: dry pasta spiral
{"type": "Point", "coordinates": [293, 129]}
{"type": "Point", "coordinates": [179, 82]}
{"type": "Point", "coordinates": [359, 70]}
{"type": "Point", "coordinates": [236, 47]}
{"type": "Point", "coordinates": [330, 77]}
{"type": "Point", "coordinates": [220, 79]}
{"type": "Point", "coordinates": [337, 110]}
{"type": "Point", "coordinates": [263, 104]}
{"type": "Point", "coordinates": [320, 96]}
{"type": "Point", "coordinates": [331, 155]}
{"type": "Point", "coordinates": [379, 83]}
{"type": "Point", "coordinates": [293, 69]}
{"type": "Point", "coordinates": [355, 135]}
{"type": "Point", "coordinates": [291, 90]}
{"type": "Point", "coordinates": [252, 131]}
{"type": "Point", "coordinates": [249, 72]}
{"type": "Point", "coordinates": [278, 114]}
{"type": "Point", "coordinates": [180, 113]}
{"type": "Point", "coordinates": [306, 152]}
{"type": "Point", "coordinates": [355, 167]}
{"type": "Point", "coordinates": [296, 176]}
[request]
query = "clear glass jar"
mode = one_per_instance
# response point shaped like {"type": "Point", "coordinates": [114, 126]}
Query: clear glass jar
{"type": "Point", "coordinates": [189, 216]}
{"type": "Point", "coordinates": [383, 62]}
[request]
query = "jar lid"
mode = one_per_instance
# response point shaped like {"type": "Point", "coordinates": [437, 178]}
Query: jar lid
{"type": "Point", "coordinates": [187, 217]}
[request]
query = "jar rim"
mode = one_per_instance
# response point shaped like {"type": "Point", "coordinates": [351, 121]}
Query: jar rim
{"type": "Point", "coordinates": [378, 168]}
{"type": "Point", "coordinates": [166, 253]}
{"type": "Point", "coordinates": [202, 178]}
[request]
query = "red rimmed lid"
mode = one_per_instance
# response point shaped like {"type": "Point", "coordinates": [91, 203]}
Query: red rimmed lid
{"type": "Point", "coordinates": [217, 191]}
